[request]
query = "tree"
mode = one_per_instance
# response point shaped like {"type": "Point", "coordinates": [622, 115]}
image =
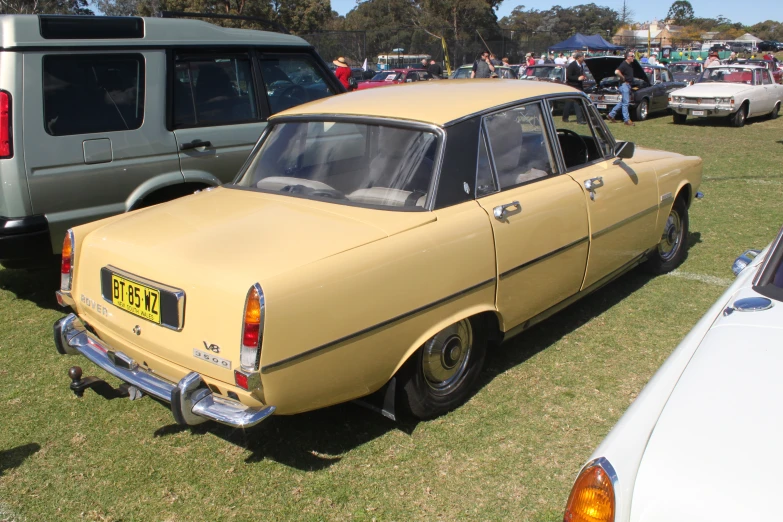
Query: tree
{"type": "Point", "coordinates": [681, 12]}
{"type": "Point", "coordinates": [71, 7]}
{"type": "Point", "coordinates": [302, 16]}
{"type": "Point", "coordinates": [118, 7]}
{"type": "Point", "coordinates": [626, 14]}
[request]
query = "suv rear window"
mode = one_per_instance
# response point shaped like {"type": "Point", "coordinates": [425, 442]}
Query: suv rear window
{"type": "Point", "coordinates": [87, 94]}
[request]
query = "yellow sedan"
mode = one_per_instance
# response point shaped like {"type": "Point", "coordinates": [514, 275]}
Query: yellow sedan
{"type": "Point", "coordinates": [377, 242]}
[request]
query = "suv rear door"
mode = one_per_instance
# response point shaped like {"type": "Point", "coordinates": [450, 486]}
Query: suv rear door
{"type": "Point", "coordinates": [220, 101]}
{"type": "Point", "coordinates": [89, 149]}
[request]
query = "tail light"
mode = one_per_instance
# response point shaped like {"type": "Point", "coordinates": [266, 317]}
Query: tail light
{"type": "Point", "coordinates": [252, 329]}
{"type": "Point", "coordinates": [592, 497]}
{"type": "Point", "coordinates": [6, 148]}
{"type": "Point", "coordinates": [66, 266]}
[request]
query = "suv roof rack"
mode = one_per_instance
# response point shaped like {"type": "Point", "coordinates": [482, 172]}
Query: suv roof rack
{"type": "Point", "coordinates": [268, 24]}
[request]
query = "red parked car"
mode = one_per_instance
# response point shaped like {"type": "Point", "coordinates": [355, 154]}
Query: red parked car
{"type": "Point", "coordinates": [777, 72]}
{"type": "Point", "coordinates": [394, 76]}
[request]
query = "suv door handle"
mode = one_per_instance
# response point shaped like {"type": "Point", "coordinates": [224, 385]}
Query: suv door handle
{"type": "Point", "coordinates": [501, 211]}
{"type": "Point", "coordinates": [195, 144]}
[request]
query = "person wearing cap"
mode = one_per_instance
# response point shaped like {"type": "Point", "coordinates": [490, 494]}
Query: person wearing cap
{"type": "Point", "coordinates": [343, 72]}
{"type": "Point", "coordinates": [712, 58]}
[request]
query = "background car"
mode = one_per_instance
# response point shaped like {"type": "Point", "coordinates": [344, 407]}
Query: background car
{"type": "Point", "coordinates": [649, 91]}
{"type": "Point", "coordinates": [733, 92]}
{"type": "Point", "coordinates": [770, 45]}
{"type": "Point", "coordinates": [716, 396]}
{"type": "Point", "coordinates": [462, 72]}
{"type": "Point", "coordinates": [686, 71]}
{"type": "Point", "coordinates": [356, 208]}
{"type": "Point", "coordinates": [552, 73]}
{"type": "Point", "coordinates": [153, 110]}
{"type": "Point", "coordinates": [771, 66]}
{"type": "Point", "coordinates": [393, 77]}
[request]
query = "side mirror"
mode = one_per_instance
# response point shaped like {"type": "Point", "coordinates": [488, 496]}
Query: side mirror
{"type": "Point", "coordinates": [625, 149]}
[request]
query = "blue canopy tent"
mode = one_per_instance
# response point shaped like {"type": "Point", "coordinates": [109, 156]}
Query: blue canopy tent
{"type": "Point", "coordinates": [580, 41]}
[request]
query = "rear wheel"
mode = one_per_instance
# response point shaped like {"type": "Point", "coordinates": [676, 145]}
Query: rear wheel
{"type": "Point", "coordinates": [679, 119]}
{"type": "Point", "coordinates": [442, 374]}
{"type": "Point", "coordinates": [738, 118]}
{"type": "Point", "coordinates": [775, 112]}
{"type": "Point", "coordinates": [642, 110]}
{"type": "Point", "coordinates": [671, 250]}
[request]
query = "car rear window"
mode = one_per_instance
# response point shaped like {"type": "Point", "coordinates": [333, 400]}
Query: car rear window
{"type": "Point", "coordinates": [87, 94]}
{"type": "Point", "coordinates": [345, 163]}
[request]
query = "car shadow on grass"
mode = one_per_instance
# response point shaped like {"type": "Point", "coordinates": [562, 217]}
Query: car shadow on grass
{"type": "Point", "coordinates": [308, 441]}
{"type": "Point", "coordinates": [14, 457]}
{"type": "Point", "coordinates": [519, 349]}
{"type": "Point", "coordinates": [35, 285]}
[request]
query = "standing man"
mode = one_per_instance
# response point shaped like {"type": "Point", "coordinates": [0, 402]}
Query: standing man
{"type": "Point", "coordinates": [575, 77]}
{"type": "Point", "coordinates": [482, 68]}
{"type": "Point", "coordinates": [560, 60]}
{"type": "Point", "coordinates": [625, 72]}
{"type": "Point", "coordinates": [435, 70]}
{"type": "Point", "coordinates": [493, 59]}
{"type": "Point", "coordinates": [425, 63]}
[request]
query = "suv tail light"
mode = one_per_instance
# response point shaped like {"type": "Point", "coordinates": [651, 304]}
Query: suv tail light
{"type": "Point", "coordinates": [252, 329]}
{"type": "Point", "coordinates": [6, 149]}
{"type": "Point", "coordinates": [66, 266]}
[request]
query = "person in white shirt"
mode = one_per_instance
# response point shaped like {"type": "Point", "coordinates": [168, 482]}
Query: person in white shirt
{"type": "Point", "coordinates": [560, 60]}
{"type": "Point", "coordinates": [653, 59]}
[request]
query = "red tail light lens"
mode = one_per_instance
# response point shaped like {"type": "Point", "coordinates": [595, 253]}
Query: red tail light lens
{"type": "Point", "coordinates": [252, 329]}
{"type": "Point", "coordinates": [66, 266]}
{"type": "Point", "coordinates": [6, 149]}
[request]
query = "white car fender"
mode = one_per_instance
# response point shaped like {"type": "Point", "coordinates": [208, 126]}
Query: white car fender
{"type": "Point", "coordinates": [625, 444]}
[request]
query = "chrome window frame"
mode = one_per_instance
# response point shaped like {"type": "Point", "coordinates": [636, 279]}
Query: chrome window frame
{"type": "Point", "coordinates": [440, 135]}
{"type": "Point", "coordinates": [762, 282]}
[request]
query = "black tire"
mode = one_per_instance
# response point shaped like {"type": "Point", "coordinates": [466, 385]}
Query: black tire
{"type": "Point", "coordinates": [679, 119]}
{"type": "Point", "coordinates": [434, 381]}
{"type": "Point", "coordinates": [671, 250]}
{"type": "Point", "coordinates": [738, 118]}
{"type": "Point", "coordinates": [775, 112]}
{"type": "Point", "coordinates": [642, 110]}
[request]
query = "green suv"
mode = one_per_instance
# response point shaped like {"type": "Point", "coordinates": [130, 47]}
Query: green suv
{"type": "Point", "coordinates": [102, 115]}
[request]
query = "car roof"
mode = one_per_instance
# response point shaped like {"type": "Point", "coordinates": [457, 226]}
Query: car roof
{"type": "Point", "coordinates": [25, 31]}
{"type": "Point", "coordinates": [438, 103]}
{"type": "Point", "coordinates": [743, 65]}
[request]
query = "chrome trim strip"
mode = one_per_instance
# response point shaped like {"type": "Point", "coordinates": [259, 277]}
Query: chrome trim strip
{"type": "Point", "coordinates": [625, 221]}
{"type": "Point", "coordinates": [332, 344]}
{"type": "Point", "coordinates": [194, 406]}
{"type": "Point", "coordinates": [555, 252]}
{"type": "Point", "coordinates": [176, 292]}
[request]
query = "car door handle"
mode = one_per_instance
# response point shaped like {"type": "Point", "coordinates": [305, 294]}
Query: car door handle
{"type": "Point", "coordinates": [195, 144]}
{"type": "Point", "coordinates": [594, 183]}
{"type": "Point", "coordinates": [502, 211]}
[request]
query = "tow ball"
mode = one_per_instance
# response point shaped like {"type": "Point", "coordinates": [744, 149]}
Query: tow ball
{"type": "Point", "coordinates": [101, 387]}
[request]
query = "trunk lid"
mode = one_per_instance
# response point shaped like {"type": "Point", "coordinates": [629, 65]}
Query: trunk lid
{"type": "Point", "coordinates": [213, 246]}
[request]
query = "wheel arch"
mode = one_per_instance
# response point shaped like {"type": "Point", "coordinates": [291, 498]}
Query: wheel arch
{"type": "Point", "coordinates": [482, 312]}
{"type": "Point", "coordinates": [685, 190]}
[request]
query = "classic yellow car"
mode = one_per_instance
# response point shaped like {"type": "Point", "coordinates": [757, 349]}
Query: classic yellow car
{"type": "Point", "coordinates": [379, 241]}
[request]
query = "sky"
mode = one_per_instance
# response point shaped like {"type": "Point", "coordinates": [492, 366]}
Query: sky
{"type": "Point", "coordinates": [646, 10]}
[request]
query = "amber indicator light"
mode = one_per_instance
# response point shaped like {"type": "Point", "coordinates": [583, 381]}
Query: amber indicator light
{"type": "Point", "coordinates": [592, 497]}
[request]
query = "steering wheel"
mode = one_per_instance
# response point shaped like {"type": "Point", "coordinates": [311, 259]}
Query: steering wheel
{"type": "Point", "coordinates": [580, 154]}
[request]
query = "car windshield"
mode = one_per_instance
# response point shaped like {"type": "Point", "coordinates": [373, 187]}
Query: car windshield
{"type": "Point", "coordinates": [463, 72]}
{"type": "Point", "coordinates": [687, 68]}
{"type": "Point", "coordinates": [386, 76]}
{"type": "Point", "coordinates": [548, 73]}
{"type": "Point", "coordinates": [727, 75]}
{"type": "Point", "coordinates": [346, 163]}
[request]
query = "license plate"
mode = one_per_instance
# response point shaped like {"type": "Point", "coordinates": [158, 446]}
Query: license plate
{"type": "Point", "coordinates": [211, 358]}
{"type": "Point", "coordinates": [697, 113]}
{"type": "Point", "coordinates": [601, 106]}
{"type": "Point", "coordinates": [135, 298]}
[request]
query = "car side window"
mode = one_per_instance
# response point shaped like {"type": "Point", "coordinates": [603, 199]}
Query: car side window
{"type": "Point", "coordinates": [581, 138]}
{"type": "Point", "coordinates": [291, 81]}
{"type": "Point", "coordinates": [213, 90]}
{"type": "Point", "coordinates": [485, 180]}
{"type": "Point", "coordinates": [665, 76]}
{"type": "Point", "coordinates": [519, 145]}
{"type": "Point", "coordinates": [765, 78]}
{"type": "Point", "coordinates": [107, 87]}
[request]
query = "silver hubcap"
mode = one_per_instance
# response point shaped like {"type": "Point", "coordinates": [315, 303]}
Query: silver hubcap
{"type": "Point", "coordinates": [672, 236]}
{"type": "Point", "coordinates": [446, 355]}
{"type": "Point", "coordinates": [643, 110]}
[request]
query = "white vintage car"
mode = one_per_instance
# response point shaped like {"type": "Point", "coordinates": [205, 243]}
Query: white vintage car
{"type": "Point", "coordinates": [702, 440]}
{"type": "Point", "coordinates": [736, 92]}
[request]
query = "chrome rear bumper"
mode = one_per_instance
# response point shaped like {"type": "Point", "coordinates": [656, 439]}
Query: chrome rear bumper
{"type": "Point", "coordinates": [192, 402]}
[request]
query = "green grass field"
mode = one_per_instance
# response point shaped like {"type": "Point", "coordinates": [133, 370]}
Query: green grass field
{"type": "Point", "coordinates": [547, 398]}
